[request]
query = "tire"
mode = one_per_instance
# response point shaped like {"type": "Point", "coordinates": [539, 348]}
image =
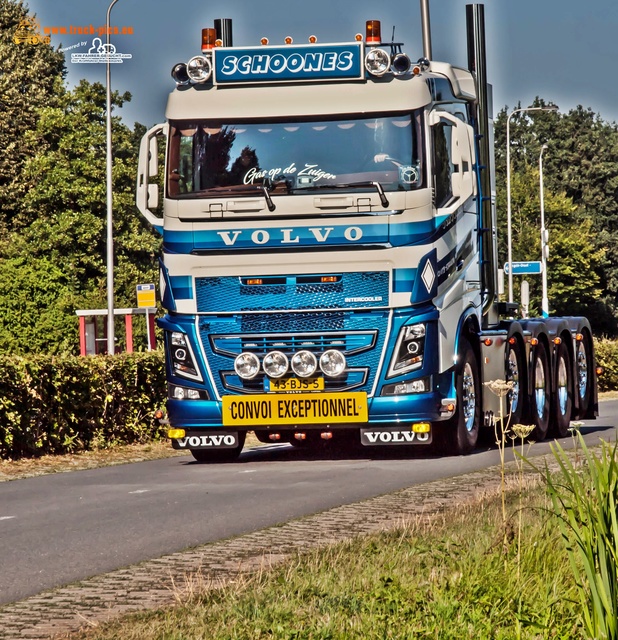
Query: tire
{"type": "Point", "coordinates": [540, 397]}
{"type": "Point", "coordinates": [220, 455]}
{"type": "Point", "coordinates": [562, 398]}
{"type": "Point", "coordinates": [515, 373]}
{"type": "Point", "coordinates": [583, 368]}
{"type": "Point", "coordinates": [461, 432]}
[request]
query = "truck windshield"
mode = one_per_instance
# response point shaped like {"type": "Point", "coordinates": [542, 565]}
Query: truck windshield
{"type": "Point", "coordinates": [211, 158]}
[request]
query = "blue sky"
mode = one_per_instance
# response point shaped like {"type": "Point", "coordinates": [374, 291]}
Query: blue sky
{"type": "Point", "coordinates": [565, 51]}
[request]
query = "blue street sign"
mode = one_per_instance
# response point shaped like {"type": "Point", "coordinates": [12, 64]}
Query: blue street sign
{"type": "Point", "coordinates": [523, 268]}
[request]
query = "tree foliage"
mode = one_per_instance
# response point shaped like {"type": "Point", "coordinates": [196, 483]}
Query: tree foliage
{"type": "Point", "coordinates": [31, 77]}
{"type": "Point", "coordinates": [581, 211]}
{"type": "Point", "coordinates": [53, 206]}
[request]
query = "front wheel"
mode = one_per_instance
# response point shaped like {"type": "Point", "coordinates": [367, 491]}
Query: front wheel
{"type": "Point", "coordinates": [220, 455]}
{"type": "Point", "coordinates": [461, 432]}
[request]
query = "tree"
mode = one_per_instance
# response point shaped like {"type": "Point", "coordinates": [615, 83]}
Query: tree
{"type": "Point", "coordinates": [31, 76]}
{"type": "Point", "coordinates": [63, 223]}
{"type": "Point", "coordinates": [579, 167]}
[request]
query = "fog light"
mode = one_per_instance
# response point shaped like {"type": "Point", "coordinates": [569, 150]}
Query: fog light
{"type": "Point", "coordinates": [332, 363]}
{"type": "Point", "coordinates": [421, 427]}
{"type": "Point", "coordinates": [304, 364]}
{"type": "Point", "coordinates": [247, 365]}
{"type": "Point", "coordinates": [175, 433]}
{"type": "Point", "coordinates": [275, 364]}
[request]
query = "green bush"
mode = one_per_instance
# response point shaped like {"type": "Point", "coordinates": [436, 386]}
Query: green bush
{"type": "Point", "coordinates": [64, 404]}
{"type": "Point", "coordinates": [607, 357]}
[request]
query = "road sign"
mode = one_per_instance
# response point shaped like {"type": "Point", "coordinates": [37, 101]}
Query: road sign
{"type": "Point", "coordinates": [523, 268]}
{"type": "Point", "coordinates": [146, 295]}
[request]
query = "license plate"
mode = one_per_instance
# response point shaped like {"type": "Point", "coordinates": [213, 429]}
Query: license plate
{"type": "Point", "coordinates": [293, 409]}
{"type": "Point", "coordinates": [297, 384]}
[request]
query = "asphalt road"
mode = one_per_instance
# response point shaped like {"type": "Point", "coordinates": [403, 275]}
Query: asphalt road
{"type": "Point", "coordinates": [60, 528]}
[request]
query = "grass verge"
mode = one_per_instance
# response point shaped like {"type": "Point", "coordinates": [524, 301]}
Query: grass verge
{"type": "Point", "coordinates": [447, 577]}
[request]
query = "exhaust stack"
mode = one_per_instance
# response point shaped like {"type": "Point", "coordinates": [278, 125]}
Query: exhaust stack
{"type": "Point", "coordinates": [475, 27]}
{"type": "Point", "coordinates": [426, 27]}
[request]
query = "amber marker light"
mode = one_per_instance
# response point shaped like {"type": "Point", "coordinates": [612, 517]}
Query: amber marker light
{"type": "Point", "coordinates": [328, 279]}
{"type": "Point", "coordinates": [158, 414]}
{"type": "Point", "coordinates": [534, 341]}
{"type": "Point", "coordinates": [373, 33]}
{"type": "Point", "coordinates": [288, 40]}
{"type": "Point", "coordinates": [312, 39]}
{"type": "Point", "coordinates": [512, 340]}
{"type": "Point", "coordinates": [218, 42]}
{"type": "Point", "coordinates": [557, 340]}
{"type": "Point", "coordinates": [600, 371]}
{"type": "Point", "coordinates": [579, 337]}
{"type": "Point", "coordinates": [264, 41]}
{"type": "Point", "coordinates": [174, 434]}
{"type": "Point", "coordinates": [488, 342]}
{"type": "Point", "coordinates": [254, 281]}
{"type": "Point", "coordinates": [358, 37]}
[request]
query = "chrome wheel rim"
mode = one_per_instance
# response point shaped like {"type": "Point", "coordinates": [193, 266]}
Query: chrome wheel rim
{"type": "Point", "coordinates": [563, 394]}
{"type": "Point", "coordinates": [582, 370]}
{"type": "Point", "coordinates": [540, 394]}
{"type": "Point", "coordinates": [513, 376]}
{"type": "Point", "coordinates": [468, 397]}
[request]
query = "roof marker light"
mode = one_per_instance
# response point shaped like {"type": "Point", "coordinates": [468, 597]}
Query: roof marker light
{"type": "Point", "coordinates": [264, 41]}
{"type": "Point", "coordinates": [313, 39]}
{"type": "Point", "coordinates": [288, 40]}
{"type": "Point", "coordinates": [358, 37]}
{"type": "Point", "coordinates": [373, 33]}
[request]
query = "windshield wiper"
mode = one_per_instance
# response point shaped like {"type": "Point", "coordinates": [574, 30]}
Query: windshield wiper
{"type": "Point", "coordinates": [352, 185]}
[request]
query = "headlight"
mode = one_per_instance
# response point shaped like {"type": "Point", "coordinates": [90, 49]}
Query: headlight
{"type": "Point", "coordinates": [247, 365]}
{"type": "Point", "coordinates": [275, 364]}
{"type": "Point", "coordinates": [181, 356]}
{"type": "Point", "coordinates": [304, 364]}
{"type": "Point", "coordinates": [410, 350]}
{"type": "Point", "coordinates": [332, 363]}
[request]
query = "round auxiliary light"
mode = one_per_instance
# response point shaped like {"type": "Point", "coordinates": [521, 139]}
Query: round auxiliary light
{"type": "Point", "coordinates": [377, 62]}
{"type": "Point", "coordinates": [332, 363]}
{"type": "Point", "coordinates": [400, 64]}
{"type": "Point", "coordinates": [304, 364]}
{"type": "Point", "coordinates": [275, 364]}
{"type": "Point", "coordinates": [247, 365]}
{"type": "Point", "coordinates": [179, 73]}
{"type": "Point", "coordinates": [199, 69]}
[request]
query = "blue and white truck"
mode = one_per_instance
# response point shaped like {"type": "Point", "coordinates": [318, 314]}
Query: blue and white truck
{"type": "Point", "coordinates": [329, 265]}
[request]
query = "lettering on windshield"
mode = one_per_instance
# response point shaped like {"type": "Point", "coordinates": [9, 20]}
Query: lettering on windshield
{"type": "Point", "coordinates": [311, 170]}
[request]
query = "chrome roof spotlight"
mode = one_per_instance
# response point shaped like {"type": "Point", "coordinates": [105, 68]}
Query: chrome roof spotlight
{"type": "Point", "coordinates": [199, 69]}
{"type": "Point", "coordinates": [377, 62]}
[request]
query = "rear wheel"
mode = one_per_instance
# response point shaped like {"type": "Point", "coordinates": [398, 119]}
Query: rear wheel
{"type": "Point", "coordinates": [220, 455]}
{"type": "Point", "coordinates": [461, 432]}
{"type": "Point", "coordinates": [583, 365]}
{"type": "Point", "coordinates": [541, 393]}
{"type": "Point", "coordinates": [562, 398]}
{"type": "Point", "coordinates": [515, 374]}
